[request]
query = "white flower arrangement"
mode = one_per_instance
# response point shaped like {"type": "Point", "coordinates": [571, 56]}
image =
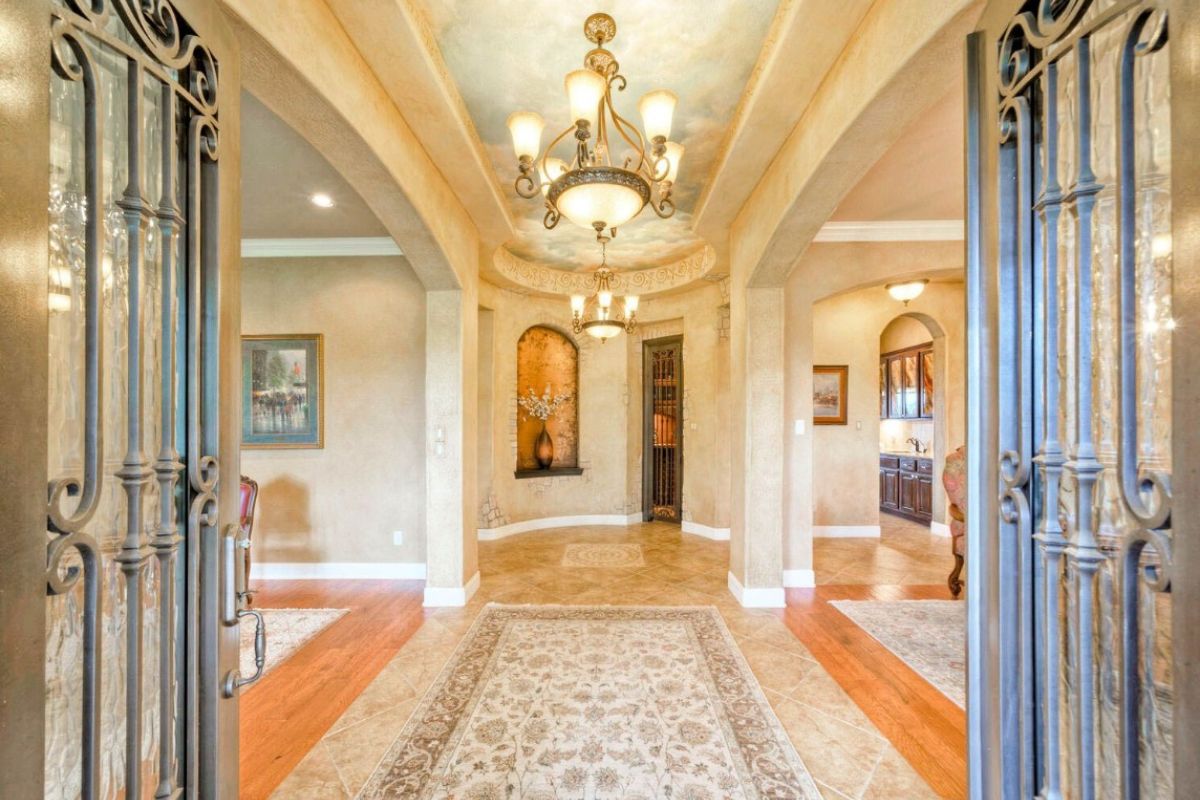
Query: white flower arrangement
{"type": "Point", "coordinates": [543, 407]}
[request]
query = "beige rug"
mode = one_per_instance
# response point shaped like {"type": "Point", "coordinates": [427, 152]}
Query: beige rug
{"type": "Point", "coordinates": [928, 635]}
{"type": "Point", "coordinates": [575, 702]}
{"type": "Point", "coordinates": [287, 630]}
{"type": "Point", "coordinates": [603, 555]}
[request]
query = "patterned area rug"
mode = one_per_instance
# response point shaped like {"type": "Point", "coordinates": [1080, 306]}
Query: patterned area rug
{"type": "Point", "coordinates": [574, 702]}
{"type": "Point", "coordinates": [287, 630]}
{"type": "Point", "coordinates": [603, 555]}
{"type": "Point", "coordinates": [928, 635]}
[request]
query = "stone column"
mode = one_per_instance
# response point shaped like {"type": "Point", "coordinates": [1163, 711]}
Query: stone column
{"type": "Point", "coordinates": [756, 492]}
{"type": "Point", "coordinates": [451, 375]}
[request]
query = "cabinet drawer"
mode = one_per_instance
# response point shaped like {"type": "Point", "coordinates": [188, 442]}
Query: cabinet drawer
{"type": "Point", "coordinates": [925, 466]}
{"type": "Point", "coordinates": [889, 462]}
{"type": "Point", "coordinates": [908, 464]}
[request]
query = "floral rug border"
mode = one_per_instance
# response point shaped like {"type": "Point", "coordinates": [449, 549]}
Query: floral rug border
{"type": "Point", "coordinates": [433, 731]}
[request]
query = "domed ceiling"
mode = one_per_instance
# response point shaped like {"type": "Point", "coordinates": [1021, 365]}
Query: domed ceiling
{"type": "Point", "coordinates": [510, 55]}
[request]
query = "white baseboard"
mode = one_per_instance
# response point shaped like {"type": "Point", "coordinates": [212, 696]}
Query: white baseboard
{"type": "Point", "coordinates": [717, 534]}
{"type": "Point", "coordinates": [845, 531]}
{"type": "Point", "coordinates": [939, 529]}
{"type": "Point", "coordinates": [336, 570]}
{"type": "Point", "coordinates": [754, 597]}
{"type": "Point", "coordinates": [453, 597]}
{"type": "Point", "coordinates": [525, 526]}
{"type": "Point", "coordinates": [799, 579]}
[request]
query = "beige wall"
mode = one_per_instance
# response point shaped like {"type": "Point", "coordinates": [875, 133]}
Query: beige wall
{"type": "Point", "coordinates": [846, 330]}
{"type": "Point", "coordinates": [342, 503]}
{"type": "Point", "coordinates": [610, 378]}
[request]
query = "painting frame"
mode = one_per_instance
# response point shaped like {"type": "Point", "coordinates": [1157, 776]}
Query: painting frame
{"type": "Point", "coordinates": [312, 437]}
{"type": "Point", "coordinates": [841, 372]}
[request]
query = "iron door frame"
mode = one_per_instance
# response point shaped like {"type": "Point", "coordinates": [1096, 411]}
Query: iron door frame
{"type": "Point", "coordinates": [25, 62]}
{"type": "Point", "coordinates": [648, 346]}
{"type": "Point", "coordinates": [997, 742]}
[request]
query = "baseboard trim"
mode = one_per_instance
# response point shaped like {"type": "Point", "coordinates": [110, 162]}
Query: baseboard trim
{"type": "Point", "coordinates": [525, 526]}
{"type": "Point", "coordinates": [799, 579]}
{"type": "Point", "coordinates": [846, 531]}
{"type": "Point", "coordinates": [452, 597]}
{"type": "Point", "coordinates": [940, 529]}
{"type": "Point", "coordinates": [716, 534]}
{"type": "Point", "coordinates": [756, 597]}
{"type": "Point", "coordinates": [336, 570]}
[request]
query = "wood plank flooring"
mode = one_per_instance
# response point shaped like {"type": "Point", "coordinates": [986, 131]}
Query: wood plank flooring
{"type": "Point", "coordinates": [289, 710]}
{"type": "Point", "coordinates": [925, 726]}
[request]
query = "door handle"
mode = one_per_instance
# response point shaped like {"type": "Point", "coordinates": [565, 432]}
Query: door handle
{"type": "Point", "coordinates": [234, 680]}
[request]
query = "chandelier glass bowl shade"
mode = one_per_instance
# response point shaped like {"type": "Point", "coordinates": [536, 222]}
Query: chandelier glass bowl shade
{"type": "Point", "coordinates": [907, 290]}
{"type": "Point", "coordinates": [590, 189]}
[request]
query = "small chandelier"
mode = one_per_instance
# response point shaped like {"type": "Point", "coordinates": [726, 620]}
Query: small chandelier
{"type": "Point", "coordinates": [605, 325]}
{"type": "Point", "coordinates": [589, 189]}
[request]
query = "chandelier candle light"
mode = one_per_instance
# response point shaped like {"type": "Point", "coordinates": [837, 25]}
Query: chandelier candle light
{"type": "Point", "coordinates": [590, 190]}
{"type": "Point", "coordinates": [606, 324]}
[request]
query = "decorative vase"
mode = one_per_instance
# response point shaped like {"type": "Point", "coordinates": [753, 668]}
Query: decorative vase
{"type": "Point", "coordinates": [543, 448]}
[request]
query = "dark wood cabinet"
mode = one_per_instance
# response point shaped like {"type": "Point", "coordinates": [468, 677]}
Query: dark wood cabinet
{"type": "Point", "coordinates": [906, 383]}
{"type": "Point", "coordinates": [906, 486]}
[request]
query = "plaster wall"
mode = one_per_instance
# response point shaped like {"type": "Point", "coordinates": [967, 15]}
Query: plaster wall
{"type": "Point", "coordinates": [846, 330]}
{"type": "Point", "coordinates": [342, 503]}
{"type": "Point", "coordinates": [610, 413]}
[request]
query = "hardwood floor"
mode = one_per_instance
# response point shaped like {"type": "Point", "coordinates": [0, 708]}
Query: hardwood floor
{"type": "Point", "coordinates": [924, 725]}
{"type": "Point", "coordinates": [290, 709]}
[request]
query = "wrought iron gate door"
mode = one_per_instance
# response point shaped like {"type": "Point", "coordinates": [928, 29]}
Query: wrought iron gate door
{"type": "Point", "coordinates": [663, 442]}
{"type": "Point", "coordinates": [1075, 410]}
{"type": "Point", "coordinates": [131, 641]}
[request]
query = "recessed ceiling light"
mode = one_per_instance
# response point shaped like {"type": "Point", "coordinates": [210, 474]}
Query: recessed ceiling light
{"type": "Point", "coordinates": [322, 200]}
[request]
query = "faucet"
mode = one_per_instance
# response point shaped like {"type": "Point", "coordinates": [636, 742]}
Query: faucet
{"type": "Point", "coordinates": [915, 442]}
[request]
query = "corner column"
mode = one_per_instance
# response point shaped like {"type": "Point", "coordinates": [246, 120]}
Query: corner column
{"type": "Point", "coordinates": [451, 354]}
{"type": "Point", "coordinates": [756, 497]}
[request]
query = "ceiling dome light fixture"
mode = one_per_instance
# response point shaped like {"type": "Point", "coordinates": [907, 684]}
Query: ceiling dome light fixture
{"type": "Point", "coordinates": [907, 290]}
{"type": "Point", "coordinates": [606, 324]}
{"type": "Point", "coordinates": [321, 200]}
{"type": "Point", "coordinates": [590, 190]}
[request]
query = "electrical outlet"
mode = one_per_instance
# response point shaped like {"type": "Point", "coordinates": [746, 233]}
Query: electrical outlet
{"type": "Point", "coordinates": [398, 538]}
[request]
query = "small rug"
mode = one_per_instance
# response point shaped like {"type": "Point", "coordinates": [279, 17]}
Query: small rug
{"type": "Point", "coordinates": [574, 702]}
{"type": "Point", "coordinates": [928, 635]}
{"type": "Point", "coordinates": [287, 630]}
{"type": "Point", "coordinates": [603, 555]}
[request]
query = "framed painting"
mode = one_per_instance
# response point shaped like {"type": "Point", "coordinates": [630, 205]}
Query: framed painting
{"type": "Point", "coordinates": [283, 391]}
{"type": "Point", "coordinates": [829, 394]}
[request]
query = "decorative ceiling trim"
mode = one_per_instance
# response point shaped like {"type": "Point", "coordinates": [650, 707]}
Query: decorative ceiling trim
{"type": "Point", "coordinates": [916, 230]}
{"type": "Point", "coordinates": [316, 248]}
{"type": "Point", "coordinates": [652, 280]}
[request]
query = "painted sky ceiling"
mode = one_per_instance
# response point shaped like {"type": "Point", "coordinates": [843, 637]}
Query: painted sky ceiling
{"type": "Point", "coordinates": [509, 55]}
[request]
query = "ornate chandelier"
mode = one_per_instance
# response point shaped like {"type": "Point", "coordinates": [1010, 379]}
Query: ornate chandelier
{"type": "Point", "coordinates": [605, 324]}
{"type": "Point", "coordinates": [589, 189]}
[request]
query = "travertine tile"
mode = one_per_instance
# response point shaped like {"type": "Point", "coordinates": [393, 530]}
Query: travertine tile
{"type": "Point", "coordinates": [314, 778]}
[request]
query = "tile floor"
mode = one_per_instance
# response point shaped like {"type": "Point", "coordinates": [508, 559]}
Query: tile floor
{"type": "Point", "coordinates": [843, 750]}
{"type": "Point", "coordinates": [906, 554]}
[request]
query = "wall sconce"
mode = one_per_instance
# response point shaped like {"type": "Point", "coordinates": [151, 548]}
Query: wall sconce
{"type": "Point", "coordinates": [908, 290]}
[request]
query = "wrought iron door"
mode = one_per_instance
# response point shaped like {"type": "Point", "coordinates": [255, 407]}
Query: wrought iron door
{"type": "Point", "coordinates": [132, 642]}
{"type": "Point", "coordinates": [663, 448]}
{"type": "Point", "coordinates": [1075, 666]}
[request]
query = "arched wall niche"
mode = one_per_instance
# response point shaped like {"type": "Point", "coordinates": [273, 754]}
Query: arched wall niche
{"type": "Point", "coordinates": [548, 362]}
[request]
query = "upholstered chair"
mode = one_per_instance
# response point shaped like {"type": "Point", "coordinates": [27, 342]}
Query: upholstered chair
{"type": "Point", "coordinates": [954, 478]}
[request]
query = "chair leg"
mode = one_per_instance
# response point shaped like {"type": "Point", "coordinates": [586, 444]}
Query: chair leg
{"type": "Point", "coordinates": [953, 582]}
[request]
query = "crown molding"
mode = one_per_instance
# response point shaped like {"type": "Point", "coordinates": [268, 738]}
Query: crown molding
{"type": "Point", "coordinates": [316, 248]}
{"type": "Point", "coordinates": [907, 230]}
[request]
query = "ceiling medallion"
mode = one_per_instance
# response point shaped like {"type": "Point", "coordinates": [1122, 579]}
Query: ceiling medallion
{"type": "Point", "coordinates": [590, 190]}
{"type": "Point", "coordinates": [605, 324]}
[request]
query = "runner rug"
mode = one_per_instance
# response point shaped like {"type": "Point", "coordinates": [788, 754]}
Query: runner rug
{"type": "Point", "coordinates": [928, 635]}
{"type": "Point", "coordinates": [288, 629]}
{"type": "Point", "coordinates": [573, 702]}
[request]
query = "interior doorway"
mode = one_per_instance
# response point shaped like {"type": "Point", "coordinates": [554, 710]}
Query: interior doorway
{"type": "Point", "coordinates": [662, 436]}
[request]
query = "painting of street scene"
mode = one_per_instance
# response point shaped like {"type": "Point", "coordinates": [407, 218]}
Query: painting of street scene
{"type": "Point", "coordinates": [281, 391]}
